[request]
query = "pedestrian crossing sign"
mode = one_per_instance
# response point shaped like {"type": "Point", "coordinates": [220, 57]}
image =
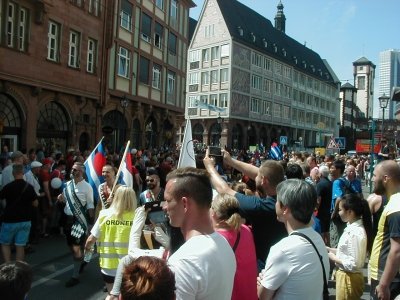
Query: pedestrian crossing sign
{"type": "Point", "coordinates": [341, 142]}
{"type": "Point", "coordinates": [332, 144]}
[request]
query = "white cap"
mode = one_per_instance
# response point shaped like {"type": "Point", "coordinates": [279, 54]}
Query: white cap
{"type": "Point", "coordinates": [35, 164]}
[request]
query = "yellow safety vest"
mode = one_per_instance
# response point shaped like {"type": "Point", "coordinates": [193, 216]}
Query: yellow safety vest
{"type": "Point", "coordinates": [113, 242]}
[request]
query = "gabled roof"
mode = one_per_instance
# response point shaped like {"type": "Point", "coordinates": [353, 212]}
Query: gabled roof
{"type": "Point", "coordinates": [279, 45]}
{"type": "Point", "coordinates": [362, 61]}
{"type": "Point", "coordinates": [347, 86]}
{"type": "Point", "coordinates": [192, 28]}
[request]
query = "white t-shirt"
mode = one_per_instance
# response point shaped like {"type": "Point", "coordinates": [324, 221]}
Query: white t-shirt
{"type": "Point", "coordinates": [293, 268]}
{"type": "Point", "coordinates": [204, 268]}
{"type": "Point", "coordinates": [84, 192]}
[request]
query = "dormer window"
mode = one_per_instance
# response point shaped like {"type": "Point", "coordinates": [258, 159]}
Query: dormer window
{"type": "Point", "coordinates": [284, 52]}
{"type": "Point", "coordinates": [253, 37]}
{"type": "Point", "coordinates": [275, 48]}
{"type": "Point", "coordinates": [240, 29]}
{"type": "Point", "coordinates": [295, 59]}
{"type": "Point", "coordinates": [320, 72]}
{"type": "Point", "coordinates": [312, 68]}
{"type": "Point", "coordinates": [265, 43]}
{"type": "Point", "coordinates": [304, 64]}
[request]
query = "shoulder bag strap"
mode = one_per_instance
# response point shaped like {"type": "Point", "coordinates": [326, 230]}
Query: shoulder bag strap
{"type": "Point", "coordinates": [236, 242]}
{"type": "Point", "coordinates": [326, 292]}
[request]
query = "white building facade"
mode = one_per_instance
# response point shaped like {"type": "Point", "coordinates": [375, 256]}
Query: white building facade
{"type": "Point", "coordinates": [270, 85]}
{"type": "Point", "coordinates": [364, 76]}
{"type": "Point", "coordinates": [389, 76]}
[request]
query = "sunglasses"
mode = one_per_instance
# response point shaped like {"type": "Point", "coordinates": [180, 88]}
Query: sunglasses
{"type": "Point", "coordinates": [149, 180]}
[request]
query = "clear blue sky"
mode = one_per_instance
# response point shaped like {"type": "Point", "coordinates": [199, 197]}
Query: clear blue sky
{"type": "Point", "coordinates": [340, 31]}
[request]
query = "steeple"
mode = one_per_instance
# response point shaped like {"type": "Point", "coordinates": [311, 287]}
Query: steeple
{"type": "Point", "coordinates": [280, 19]}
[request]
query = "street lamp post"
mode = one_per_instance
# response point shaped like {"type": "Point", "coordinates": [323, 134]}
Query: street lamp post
{"type": "Point", "coordinates": [371, 166]}
{"type": "Point", "coordinates": [219, 122]}
{"type": "Point", "coordinates": [124, 105]}
{"type": "Point", "coordinates": [383, 103]}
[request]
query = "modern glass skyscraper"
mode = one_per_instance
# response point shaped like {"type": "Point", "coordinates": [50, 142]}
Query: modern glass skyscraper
{"type": "Point", "coordinates": [389, 76]}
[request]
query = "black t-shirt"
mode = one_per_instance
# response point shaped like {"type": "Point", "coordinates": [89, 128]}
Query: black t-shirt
{"type": "Point", "coordinates": [267, 230]}
{"type": "Point", "coordinates": [324, 190]}
{"type": "Point", "coordinates": [19, 196]}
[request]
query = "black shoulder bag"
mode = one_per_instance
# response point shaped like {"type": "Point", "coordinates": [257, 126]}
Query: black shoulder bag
{"type": "Point", "coordinates": [325, 293]}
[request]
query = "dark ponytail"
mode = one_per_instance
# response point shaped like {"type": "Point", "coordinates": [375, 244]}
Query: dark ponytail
{"type": "Point", "coordinates": [361, 209]}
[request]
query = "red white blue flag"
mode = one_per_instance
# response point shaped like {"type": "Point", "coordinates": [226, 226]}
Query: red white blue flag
{"type": "Point", "coordinates": [125, 169]}
{"type": "Point", "coordinates": [94, 165]}
{"type": "Point", "coordinates": [275, 152]}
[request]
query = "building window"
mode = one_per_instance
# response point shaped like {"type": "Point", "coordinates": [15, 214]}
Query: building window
{"type": "Point", "coordinates": [22, 28]}
{"type": "Point", "coordinates": [277, 110]}
{"type": "Point", "coordinates": [278, 68]}
{"type": "Point", "coordinates": [126, 15]}
{"type": "Point", "coordinates": [158, 35]}
{"type": "Point", "coordinates": [288, 92]}
{"type": "Point", "coordinates": [53, 41]}
{"type": "Point", "coordinates": [160, 4]}
{"type": "Point", "coordinates": [91, 56]}
{"type": "Point", "coordinates": [193, 101]}
{"type": "Point", "coordinates": [144, 70]}
{"type": "Point", "coordinates": [256, 82]}
{"type": "Point", "coordinates": [278, 88]}
{"type": "Point", "coordinates": [73, 58]}
{"type": "Point", "coordinates": [223, 100]}
{"type": "Point", "coordinates": [146, 28]}
{"type": "Point", "coordinates": [214, 76]}
{"type": "Point", "coordinates": [255, 105]}
{"type": "Point", "coordinates": [286, 112]}
{"type": "Point", "coordinates": [94, 7]}
{"type": "Point", "coordinates": [172, 43]}
{"type": "Point", "coordinates": [156, 77]}
{"type": "Point", "coordinates": [267, 64]}
{"type": "Point", "coordinates": [205, 78]}
{"type": "Point", "coordinates": [10, 24]}
{"type": "Point", "coordinates": [123, 62]}
{"type": "Point", "coordinates": [193, 78]}
{"type": "Point", "coordinates": [361, 83]}
{"type": "Point", "coordinates": [225, 50]}
{"type": "Point", "coordinates": [171, 83]}
{"type": "Point", "coordinates": [209, 31]}
{"type": "Point", "coordinates": [204, 99]}
{"type": "Point", "coordinates": [214, 99]}
{"type": "Point", "coordinates": [287, 72]}
{"type": "Point", "coordinates": [224, 75]}
{"type": "Point", "coordinates": [267, 85]}
{"type": "Point", "coordinates": [256, 59]}
{"type": "Point", "coordinates": [266, 108]}
{"type": "Point", "coordinates": [294, 114]}
{"type": "Point", "coordinates": [215, 53]}
{"type": "Point", "coordinates": [174, 10]}
{"type": "Point", "coordinates": [206, 54]}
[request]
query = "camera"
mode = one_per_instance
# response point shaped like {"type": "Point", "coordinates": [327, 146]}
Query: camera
{"type": "Point", "coordinates": [156, 214]}
{"type": "Point", "coordinates": [215, 152]}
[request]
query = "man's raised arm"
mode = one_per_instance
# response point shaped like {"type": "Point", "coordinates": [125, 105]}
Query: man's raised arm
{"type": "Point", "coordinates": [247, 169]}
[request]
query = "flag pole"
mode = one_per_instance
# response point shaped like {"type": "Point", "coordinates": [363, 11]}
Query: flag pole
{"type": "Point", "coordinates": [119, 169]}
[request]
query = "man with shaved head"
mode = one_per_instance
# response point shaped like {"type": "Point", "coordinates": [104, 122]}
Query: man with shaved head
{"type": "Point", "coordinates": [385, 255]}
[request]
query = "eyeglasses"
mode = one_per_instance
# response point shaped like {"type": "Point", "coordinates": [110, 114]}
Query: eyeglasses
{"type": "Point", "coordinates": [150, 180]}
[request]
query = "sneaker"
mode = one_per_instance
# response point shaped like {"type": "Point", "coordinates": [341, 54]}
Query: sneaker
{"type": "Point", "coordinates": [71, 282]}
{"type": "Point", "coordinates": [82, 267]}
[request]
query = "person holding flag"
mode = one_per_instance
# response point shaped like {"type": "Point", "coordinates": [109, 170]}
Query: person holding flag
{"type": "Point", "coordinates": [79, 211]}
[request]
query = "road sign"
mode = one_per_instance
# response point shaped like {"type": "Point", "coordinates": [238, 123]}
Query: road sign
{"type": "Point", "coordinates": [332, 144]}
{"type": "Point", "coordinates": [341, 142]}
{"type": "Point", "coordinates": [283, 140]}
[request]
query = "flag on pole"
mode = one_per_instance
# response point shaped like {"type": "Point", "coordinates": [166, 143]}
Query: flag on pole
{"type": "Point", "coordinates": [186, 157]}
{"type": "Point", "coordinates": [124, 174]}
{"type": "Point", "coordinates": [93, 166]}
{"type": "Point", "coordinates": [275, 152]}
{"type": "Point", "coordinates": [211, 107]}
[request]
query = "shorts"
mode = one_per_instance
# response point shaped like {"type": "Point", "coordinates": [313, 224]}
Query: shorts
{"type": "Point", "coordinates": [72, 240]}
{"type": "Point", "coordinates": [15, 233]}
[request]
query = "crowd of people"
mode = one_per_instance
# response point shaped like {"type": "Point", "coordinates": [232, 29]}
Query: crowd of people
{"type": "Point", "coordinates": [238, 226]}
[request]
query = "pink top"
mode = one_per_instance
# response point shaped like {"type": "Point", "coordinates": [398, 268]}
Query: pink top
{"type": "Point", "coordinates": [245, 283]}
